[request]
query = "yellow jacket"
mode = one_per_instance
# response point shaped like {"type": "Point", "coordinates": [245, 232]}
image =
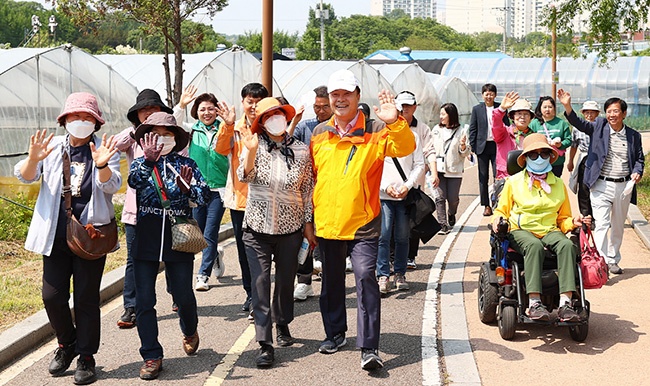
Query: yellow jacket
{"type": "Point", "coordinates": [535, 210]}
{"type": "Point", "coordinates": [348, 173]}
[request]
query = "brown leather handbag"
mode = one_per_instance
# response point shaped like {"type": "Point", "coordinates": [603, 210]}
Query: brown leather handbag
{"type": "Point", "coordinates": [86, 241]}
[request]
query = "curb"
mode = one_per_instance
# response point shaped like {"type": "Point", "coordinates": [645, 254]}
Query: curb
{"type": "Point", "coordinates": [640, 224]}
{"type": "Point", "coordinates": [33, 331]}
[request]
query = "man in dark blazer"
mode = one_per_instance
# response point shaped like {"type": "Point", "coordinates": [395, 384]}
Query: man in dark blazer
{"type": "Point", "coordinates": [482, 142]}
{"type": "Point", "coordinates": [614, 165]}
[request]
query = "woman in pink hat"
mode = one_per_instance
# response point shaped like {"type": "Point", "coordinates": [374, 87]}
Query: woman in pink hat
{"type": "Point", "coordinates": [95, 177]}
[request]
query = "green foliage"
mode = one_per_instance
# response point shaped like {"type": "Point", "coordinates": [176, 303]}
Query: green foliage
{"type": "Point", "coordinates": [14, 219]}
{"type": "Point", "coordinates": [252, 41]}
{"type": "Point", "coordinates": [606, 20]}
{"type": "Point", "coordinates": [16, 24]}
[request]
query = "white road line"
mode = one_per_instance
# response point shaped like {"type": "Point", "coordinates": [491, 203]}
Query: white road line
{"type": "Point", "coordinates": [460, 364]}
{"type": "Point", "coordinates": [430, 365]}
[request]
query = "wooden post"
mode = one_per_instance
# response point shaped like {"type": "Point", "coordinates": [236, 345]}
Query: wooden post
{"type": "Point", "coordinates": [267, 44]}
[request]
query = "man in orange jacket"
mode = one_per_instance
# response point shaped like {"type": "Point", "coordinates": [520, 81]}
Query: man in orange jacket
{"type": "Point", "coordinates": [348, 152]}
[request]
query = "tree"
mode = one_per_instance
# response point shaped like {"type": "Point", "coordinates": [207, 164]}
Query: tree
{"type": "Point", "coordinates": [309, 45]}
{"type": "Point", "coordinates": [157, 16]}
{"type": "Point", "coordinates": [252, 41]}
{"type": "Point", "coordinates": [607, 19]}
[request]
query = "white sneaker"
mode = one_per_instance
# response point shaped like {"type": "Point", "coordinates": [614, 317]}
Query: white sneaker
{"type": "Point", "coordinates": [303, 291]}
{"type": "Point", "coordinates": [318, 267]}
{"type": "Point", "coordinates": [219, 268]}
{"type": "Point", "coordinates": [201, 283]}
{"type": "Point", "coordinates": [348, 264]}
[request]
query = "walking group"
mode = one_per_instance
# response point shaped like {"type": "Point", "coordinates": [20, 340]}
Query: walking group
{"type": "Point", "coordinates": [338, 182]}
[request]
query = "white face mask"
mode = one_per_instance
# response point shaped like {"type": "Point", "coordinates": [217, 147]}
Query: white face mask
{"type": "Point", "coordinates": [276, 125]}
{"type": "Point", "coordinates": [168, 144]}
{"type": "Point", "coordinates": [80, 129]}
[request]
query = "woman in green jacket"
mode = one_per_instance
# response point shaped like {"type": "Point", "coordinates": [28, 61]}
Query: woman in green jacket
{"type": "Point", "coordinates": [214, 168]}
{"type": "Point", "coordinates": [556, 130]}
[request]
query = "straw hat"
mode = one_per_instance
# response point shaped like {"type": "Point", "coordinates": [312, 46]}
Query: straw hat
{"type": "Point", "coordinates": [161, 118]}
{"type": "Point", "coordinates": [536, 141]}
{"type": "Point", "coordinates": [266, 106]}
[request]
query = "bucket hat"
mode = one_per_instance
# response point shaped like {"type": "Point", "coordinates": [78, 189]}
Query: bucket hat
{"type": "Point", "coordinates": [266, 106]}
{"type": "Point", "coordinates": [590, 106]}
{"type": "Point", "coordinates": [81, 102]}
{"type": "Point", "coordinates": [146, 98]}
{"type": "Point", "coordinates": [161, 118]}
{"type": "Point", "coordinates": [521, 105]}
{"type": "Point", "coordinates": [535, 141]}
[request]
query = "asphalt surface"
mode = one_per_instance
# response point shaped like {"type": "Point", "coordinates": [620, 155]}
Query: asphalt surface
{"type": "Point", "coordinates": [431, 334]}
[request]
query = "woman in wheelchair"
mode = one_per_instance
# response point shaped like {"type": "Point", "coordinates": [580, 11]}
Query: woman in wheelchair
{"type": "Point", "coordinates": [536, 205]}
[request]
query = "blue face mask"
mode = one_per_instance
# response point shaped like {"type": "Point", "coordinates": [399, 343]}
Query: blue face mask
{"type": "Point", "coordinates": [539, 165]}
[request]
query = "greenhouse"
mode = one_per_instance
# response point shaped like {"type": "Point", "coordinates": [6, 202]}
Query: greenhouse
{"type": "Point", "coordinates": [298, 78]}
{"type": "Point", "coordinates": [412, 78]}
{"type": "Point", "coordinates": [627, 78]}
{"type": "Point", "coordinates": [34, 84]}
{"type": "Point", "coordinates": [222, 73]}
{"type": "Point", "coordinates": [453, 90]}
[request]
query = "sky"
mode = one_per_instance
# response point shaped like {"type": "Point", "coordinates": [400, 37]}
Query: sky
{"type": "Point", "coordinates": [290, 16]}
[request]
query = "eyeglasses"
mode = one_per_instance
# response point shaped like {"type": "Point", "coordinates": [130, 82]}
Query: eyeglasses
{"type": "Point", "coordinates": [321, 107]}
{"type": "Point", "coordinates": [546, 154]}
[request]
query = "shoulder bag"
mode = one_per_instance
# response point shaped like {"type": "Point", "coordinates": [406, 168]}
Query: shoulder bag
{"type": "Point", "coordinates": [418, 203]}
{"type": "Point", "coordinates": [592, 264]}
{"type": "Point", "coordinates": [186, 234]}
{"type": "Point", "coordinates": [86, 241]}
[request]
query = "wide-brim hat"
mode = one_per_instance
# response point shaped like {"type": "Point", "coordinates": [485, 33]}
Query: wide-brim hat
{"type": "Point", "coordinates": [267, 106]}
{"type": "Point", "coordinates": [521, 105]}
{"type": "Point", "coordinates": [146, 98]}
{"type": "Point", "coordinates": [81, 102]}
{"type": "Point", "coordinates": [536, 141]}
{"type": "Point", "coordinates": [590, 106]}
{"type": "Point", "coordinates": [161, 118]}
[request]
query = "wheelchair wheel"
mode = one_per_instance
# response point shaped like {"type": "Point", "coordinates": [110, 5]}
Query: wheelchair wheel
{"type": "Point", "coordinates": [579, 333]}
{"type": "Point", "coordinates": [488, 297]}
{"type": "Point", "coordinates": [507, 322]}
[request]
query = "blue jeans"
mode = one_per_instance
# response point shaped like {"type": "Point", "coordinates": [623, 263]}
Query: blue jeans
{"type": "Point", "coordinates": [179, 284]}
{"type": "Point", "coordinates": [394, 221]}
{"type": "Point", "coordinates": [237, 218]}
{"type": "Point", "coordinates": [128, 295]}
{"type": "Point", "coordinates": [209, 219]}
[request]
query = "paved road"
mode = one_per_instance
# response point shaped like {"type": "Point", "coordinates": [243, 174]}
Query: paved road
{"type": "Point", "coordinates": [228, 350]}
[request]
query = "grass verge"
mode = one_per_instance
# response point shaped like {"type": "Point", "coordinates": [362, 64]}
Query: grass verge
{"type": "Point", "coordinates": [643, 190]}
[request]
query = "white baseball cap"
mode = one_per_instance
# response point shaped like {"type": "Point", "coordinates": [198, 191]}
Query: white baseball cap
{"type": "Point", "coordinates": [404, 98]}
{"type": "Point", "coordinates": [342, 80]}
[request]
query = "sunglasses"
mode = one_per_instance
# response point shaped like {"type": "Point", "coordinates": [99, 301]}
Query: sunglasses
{"type": "Point", "coordinates": [545, 154]}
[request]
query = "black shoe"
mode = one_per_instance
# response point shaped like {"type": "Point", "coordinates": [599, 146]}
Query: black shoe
{"type": "Point", "coordinates": [174, 307]}
{"type": "Point", "coordinates": [370, 359]}
{"type": "Point", "coordinates": [127, 320]}
{"type": "Point", "coordinates": [284, 337]}
{"type": "Point", "coordinates": [85, 373]}
{"type": "Point", "coordinates": [452, 221]}
{"type": "Point", "coordinates": [247, 304]}
{"type": "Point", "coordinates": [63, 356]}
{"type": "Point", "coordinates": [332, 345]}
{"type": "Point", "coordinates": [266, 356]}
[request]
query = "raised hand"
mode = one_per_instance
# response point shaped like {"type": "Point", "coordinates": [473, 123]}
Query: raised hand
{"type": "Point", "coordinates": [38, 145]}
{"type": "Point", "coordinates": [188, 96]}
{"type": "Point", "coordinates": [150, 147]}
{"type": "Point", "coordinates": [250, 140]}
{"type": "Point", "coordinates": [509, 100]}
{"type": "Point", "coordinates": [564, 97]}
{"type": "Point", "coordinates": [387, 111]}
{"type": "Point", "coordinates": [226, 113]}
{"type": "Point", "coordinates": [184, 179]}
{"type": "Point", "coordinates": [102, 154]}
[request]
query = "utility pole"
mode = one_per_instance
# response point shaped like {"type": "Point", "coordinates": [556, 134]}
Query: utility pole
{"type": "Point", "coordinates": [322, 15]}
{"type": "Point", "coordinates": [505, 21]}
{"type": "Point", "coordinates": [267, 45]}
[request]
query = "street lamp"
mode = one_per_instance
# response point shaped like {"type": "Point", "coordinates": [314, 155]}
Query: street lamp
{"type": "Point", "coordinates": [52, 24]}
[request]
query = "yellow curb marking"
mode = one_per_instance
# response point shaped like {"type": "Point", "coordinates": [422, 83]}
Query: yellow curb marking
{"type": "Point", "coordinates": [223, 369]}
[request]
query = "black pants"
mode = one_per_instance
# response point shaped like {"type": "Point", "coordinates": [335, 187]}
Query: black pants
{"type": "Point", "coordinates": [306, 269]}
{"type": "Point", "coordinates": [584, 202]}
{"type": "Point", "coordinates": [488, 155]}
{"type": "Point", "coordinates": [237, 218]}
{"type": "Point", "coordinates": [284, 249]}
{"type": "Point", "coordinates": [58, 268]}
